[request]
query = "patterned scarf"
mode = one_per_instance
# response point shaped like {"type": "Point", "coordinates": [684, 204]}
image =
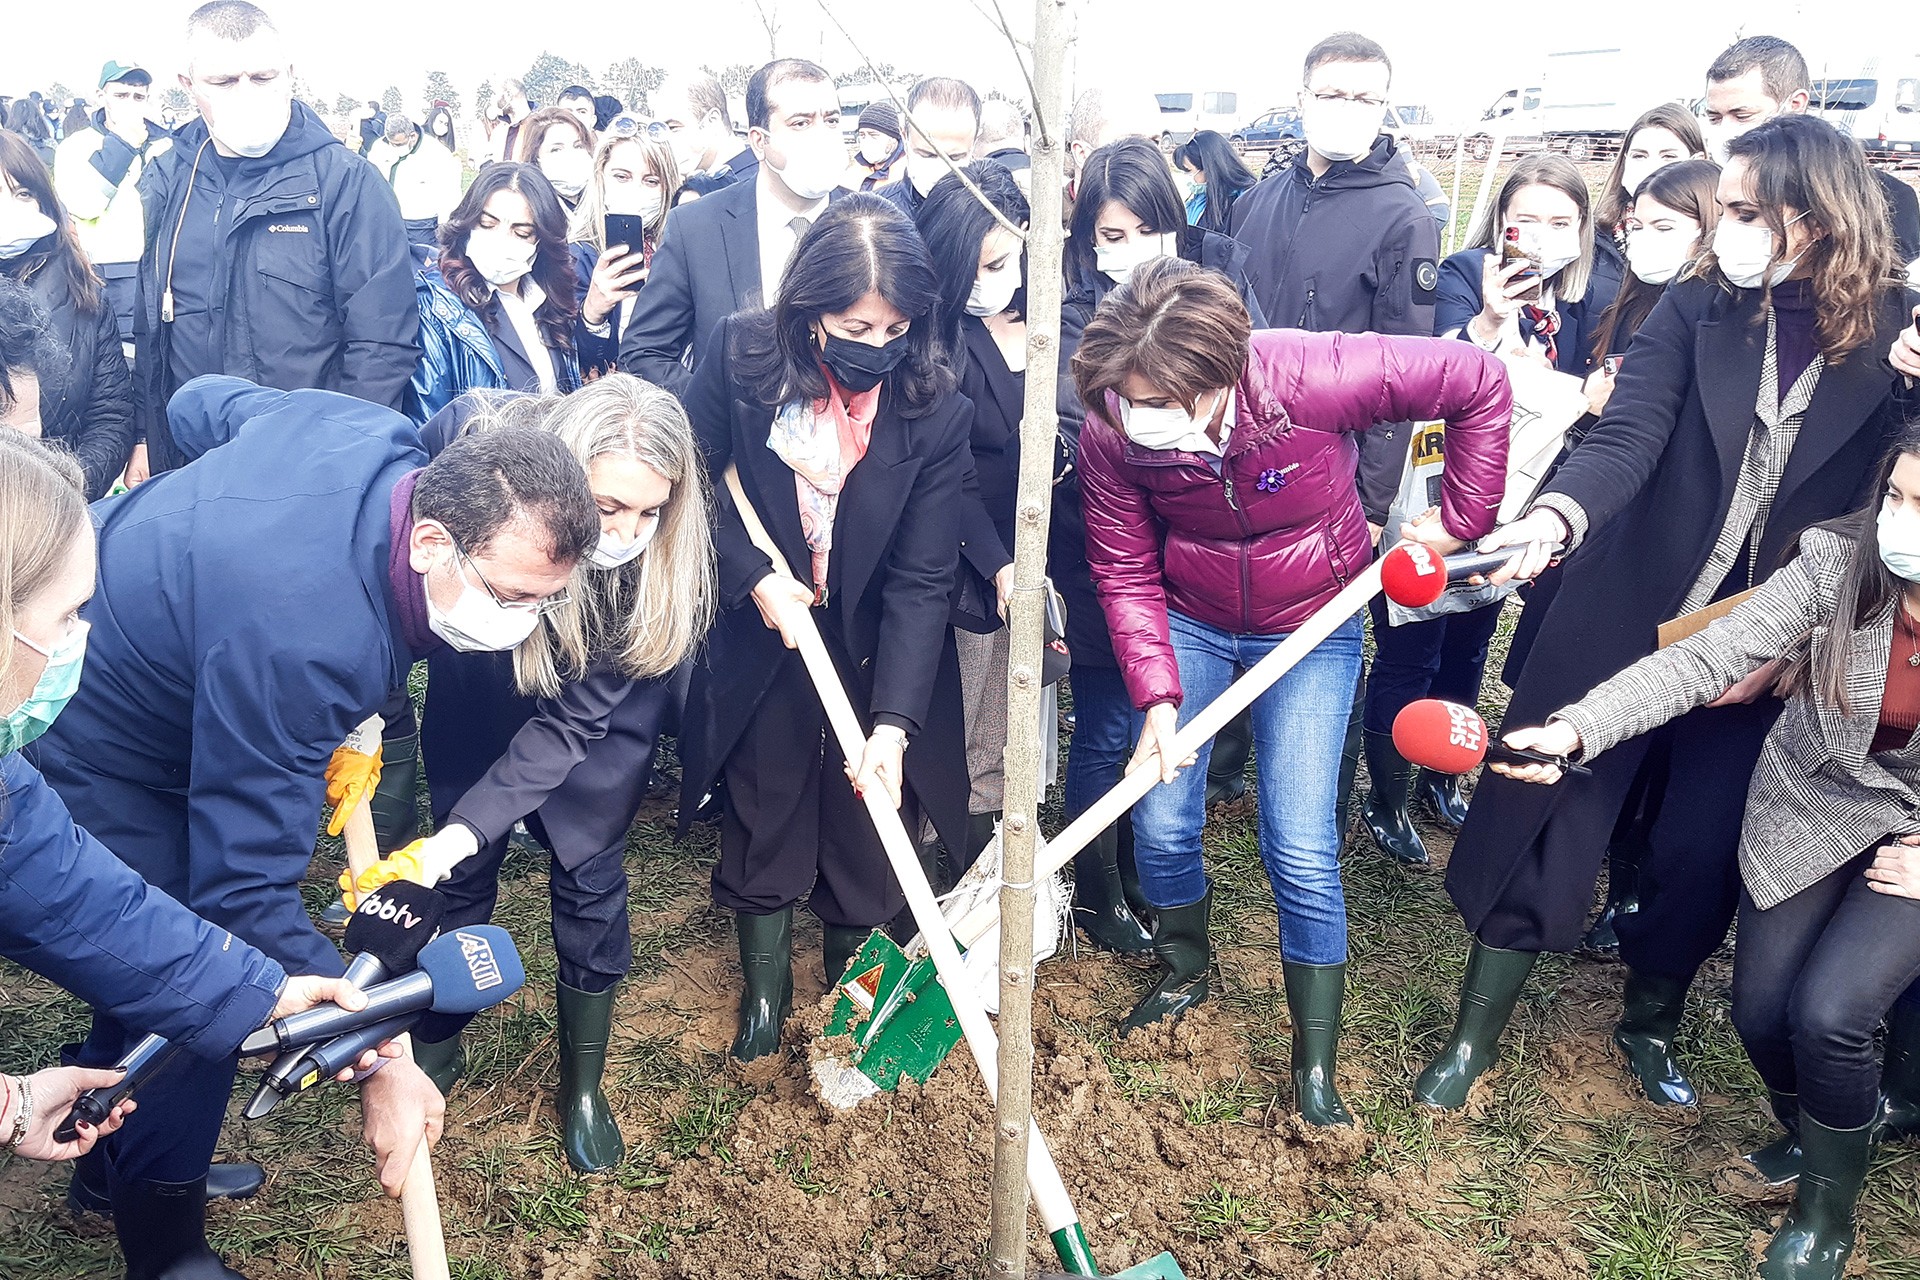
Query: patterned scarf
{"type": "Point", "coordinates": [822, 441]}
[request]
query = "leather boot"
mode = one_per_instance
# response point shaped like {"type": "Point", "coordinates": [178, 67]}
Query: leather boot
{"type": "Point", "coordinates": [1100, 900]}
{"type": "Point", "coordinates": [1900, 1076]}
{"type": "Point", "coordinates": [89, 1193]}
{"type": "Point", "coordinates": [1385, 808]}
{"type": "Point", "coordinates": [1487, 996]}
{"type": "Point", "coordinates": [1780, 1161]}
{"type": "Point", "coordinates": [162, 1228]}
{"type": "Point", "coordinates": [1227, 766]}
{"type": "Point", "coordinates": [1180, 940]}
{"type": "Point", "coordinates": [1440, 795]}
{"type": "Point", "coordinates": [766, 963]}
{"type": "Point", "coordinates": [1654, 1007]}
{"type": "Point", "coordinates": [443, 1061]}
{"type": "Point", "coordinates": [396, 815]}
{"type": "Point", "coordinates": [840, 943]}
{"type": "Point", "coordinates": [1814, 1241]}
{"type": "Point", "coordinates": [591, 1136]}
{"type": "Point", "coordinates": [1314, 995]}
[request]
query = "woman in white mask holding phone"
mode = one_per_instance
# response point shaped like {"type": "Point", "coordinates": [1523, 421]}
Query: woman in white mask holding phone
{"type": "Point", "coordinates": [635, 181]}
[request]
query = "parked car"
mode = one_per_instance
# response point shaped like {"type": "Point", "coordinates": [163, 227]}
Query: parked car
{"type": "Point", "coordinates": [1278, 129]}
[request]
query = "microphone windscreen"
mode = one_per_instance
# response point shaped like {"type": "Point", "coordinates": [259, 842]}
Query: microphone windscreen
{"type": "Point", "coordinates": [394, 922]}
{"type": "Point", "coordinates": [473, 967]}
{"type": "Point", "coordinates": [1442, 736]}
{"type": "Point", "coordinates": [1413, 575]}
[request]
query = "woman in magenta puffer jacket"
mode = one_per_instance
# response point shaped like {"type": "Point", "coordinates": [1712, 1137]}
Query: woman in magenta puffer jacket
{"type": "Point", "coordinates": [1218, 468]}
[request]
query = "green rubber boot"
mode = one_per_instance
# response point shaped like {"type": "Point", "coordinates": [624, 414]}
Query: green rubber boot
{"type": "Point", "coordinates": [1100, 899]}
{"type": "Point", "coordinates": [1314, 996]}
{"type": "Point", "coordinates": [1780, 1161]}
{"type": "Point", "coordinates": [1487, 996]}
{"type": "Point", "coordinates": [1180, 940]}
{"type": "Point", "coordinates": [1440, 794]}
{"type": "Point", "coordinates": [396, 815]}
{"type": "Point", "coordinates": [841, 943]}
{"type": "Point", "coordinates": [1654, 1007]}
{"type": "Point", "coordinates": [1815, 1240]}
{"type": "Point", "coordinates": [1900, 1076]}
{"type": "Point", "coordinates": [591, 1136]}
{"type": "Point", "coordinates": [1385, 809]}
{"type": "Point", "coordinates": [766, 998]}
{"type": "Point", "coordinates": [1227, 765]}
{"type": "Point", "coordinates": [443, 1061]}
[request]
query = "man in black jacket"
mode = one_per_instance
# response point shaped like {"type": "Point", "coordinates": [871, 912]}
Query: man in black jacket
{"type": "Point", "coordinates": [273, 253]}
{"type": "Point", "coordinates": [694, 109]}
{"type": "Point", "coordinates": [942, 129]}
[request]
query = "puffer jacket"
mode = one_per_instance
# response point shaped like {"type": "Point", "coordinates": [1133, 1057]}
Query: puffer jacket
{"type": "Point", "coordinates": [457, 354]}
{"type": "Point", "coordinates": [1257, 547]}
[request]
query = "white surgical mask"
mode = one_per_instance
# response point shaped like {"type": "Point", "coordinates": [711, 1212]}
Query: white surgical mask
{"type": "Point", "coordinates": [815, 164]}
{"type": "Point", "coordinates": [1559, 249]}
{"type": "Point", "coordinates": [252, 128]}
{"type": "Point", "coordinates": [1341, 130]}
{"type": "Point", "coordinates": [1744, 250]}
{"type": "Point", "coordinates": [1117, 261]}
{"type": "Point", "coordinates": [1171, 427]}
{"type": "Point", "coordinates": [500, 256]}
{"type": "Point", "coordinates": [477, 623]}
{"type": "Point", "coordinates": [924, 172]}
{"type": "Point", "coordinates": [1717, 137]}
{"type": "Point", "coordinates": [22, 226]}
{"type": "Point", "coordinates": [568, 171]}
{"type": "Point", "coordinates": [876, 149]}
{"type": "Point", "coordinates": [1899, 536]}
{"type": "Point", "coordinates": [611, 553]}
{"type": "Point", "coordinates": [1657, 256]}
{"type": "Point", "coordinates": [992, 291]}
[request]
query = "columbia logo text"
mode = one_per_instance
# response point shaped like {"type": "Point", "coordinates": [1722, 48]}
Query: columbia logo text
{"type": "Point", "coordinates": [297, 227]}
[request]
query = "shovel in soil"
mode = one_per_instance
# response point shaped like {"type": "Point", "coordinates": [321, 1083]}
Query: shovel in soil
{"type": "Point", "coordinates": [969, 1018]}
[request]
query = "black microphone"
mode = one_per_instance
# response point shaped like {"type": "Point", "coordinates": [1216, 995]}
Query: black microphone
{"type": "Point", "coordinates": [472, 968]}
{"type": "Point", "coordinates": [141, 1063]}
{"type": "Point", "coordinates": [296, 1071]}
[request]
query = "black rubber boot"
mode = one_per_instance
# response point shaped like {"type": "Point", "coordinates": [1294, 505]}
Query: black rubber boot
{"type": "Point", "coordinates": [1815, 1240]}
{"type": "Point", "coordinates": [1654, 1007]}
{"type": "Point", "coordinates": [1315, 993]}
{"type": "Point", "coordinates": [162, 1228]}
{"type": "Point", "coordinates": [88, 1192]}
{"type": "Point", "coordinates": [1227, 766]}
{"type": "Point", "coordinates": [840, 943]}
{"type": "Point", "coordinates": [1900, 1076]}
{"type": "Point", "coordinates": [979, 835]}
{"type": "Point", "coordinates": [1385, 808]}
{"type": "Point", "coordinates": [396, 816]}
{"type": "Point", "coordinates": [1487, 996]}
{"type": "Point", "coordinates": [443, 1061]}
{"type": "Point", "coordinates": [1440, 796]}
{"type": "Point", "coordinates": [1100, 900]}
{"type": "Point", "coordinates": [1180, 940]}
{"type": "Point", "coordinates": [591, 1136]}
{"type": "Point", "coordinates": [1623, 899]}
{"type": "Point", "coordinates": [766, 964]}
{"type": "Point", "coordinates": [1780, 1161]}
{"type": "Point", "coordinates": [1130, 887]}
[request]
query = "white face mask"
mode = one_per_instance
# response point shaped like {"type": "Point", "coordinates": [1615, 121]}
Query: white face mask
{"type": "Point", "coordinates": [815, 164]}
{"type": "Point", "coordinates": [877, 148]}
{"type": "Point", "coordinates": [611, 553]}
{"type": "Point", "coordinates": [1340, 130]}
{"type": "Point", "coordinates": [1559, 249]}
{"type": "Point", "coordinates": [568, 171]}
{"type": "Point", "coordinates": [636, 198]}
{"type": "Point", "coordinates": [1899, 536]}
{"type": "Point", "coordinates": [1744, 250]}
{"type": "Point", "coordinates": [924, 172]}
{"type": "Point", "coordinates": [1167, 428]}
{"type": "Point", "coordinates": [1117, 261]}
{"type": "Point", "coordinates": [251, 126]}
{"type": "Point", "coordinates": [1717, 137]}
{"type": "Point", "coordinates": [500, 256]}
{"type": "Point", "coordinates": [476, 623]}
{"type": "Point", "coordinates": [992, 291]}
{"type": "Point", "coordinates": [1657, 256]}
{"type": "Point", "coordinates": [439, 126]}
{"type": "Point", "coordinates": [22, 226]}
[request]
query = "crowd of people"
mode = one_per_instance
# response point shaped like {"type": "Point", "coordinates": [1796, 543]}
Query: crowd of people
{"type": "Point", "coordinates": [546, 415]}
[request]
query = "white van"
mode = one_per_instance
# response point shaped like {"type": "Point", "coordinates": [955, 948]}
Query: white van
{"type": "Point", "coordinates": [1184, 114]}
{"type": "Point", "coordinates": [1879, 107]}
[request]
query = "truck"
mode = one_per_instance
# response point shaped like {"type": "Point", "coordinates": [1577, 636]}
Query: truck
{"type": "Point", "coordinates": [1581, 104]}
{"type": "Point", "coordinates": [1879, 106]}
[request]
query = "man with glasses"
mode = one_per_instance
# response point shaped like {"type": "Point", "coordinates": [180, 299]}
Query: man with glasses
{"type": "Point", "coordinates": [96, 173]}
{"type": "Point", "coordinates": [255, 606]}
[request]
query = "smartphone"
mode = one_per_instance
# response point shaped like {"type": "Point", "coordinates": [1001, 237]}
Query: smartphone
{"type": "Point", "coordinates": [629, 229]}
{"type": "Point", "coordinates": [1517, 244]}
{"type": "Point", "coordinates": [1611, 363]}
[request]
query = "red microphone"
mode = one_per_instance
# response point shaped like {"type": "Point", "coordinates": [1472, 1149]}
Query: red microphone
{"type": "Point", "coordinates": [1413, 575]}
{"type": "Point", "coordinates": [1449, 738]}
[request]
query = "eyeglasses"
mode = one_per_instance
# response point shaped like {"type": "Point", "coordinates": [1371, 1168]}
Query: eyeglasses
{"type": "Point", "coordinates": [538, 608]}
{"type": "Point", "coordinates": [628, 127]}
{"type": "Point", "coordinates": [1364, 99]}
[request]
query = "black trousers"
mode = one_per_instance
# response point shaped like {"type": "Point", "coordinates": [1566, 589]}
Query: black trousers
{"type": "Point", "coordinates": [1812, 979]}
{"type": "Point", "coordinates": [1438, 658]}
{"type": "Point", "coordinates": [793, 827]}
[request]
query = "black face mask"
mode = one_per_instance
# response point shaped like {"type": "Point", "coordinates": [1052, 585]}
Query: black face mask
{"type": "Point", "coordinates": [857, 366]}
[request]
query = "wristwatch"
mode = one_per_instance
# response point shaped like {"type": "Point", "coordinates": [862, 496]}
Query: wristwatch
{"type": "Point", "coordinates": [893, 729]}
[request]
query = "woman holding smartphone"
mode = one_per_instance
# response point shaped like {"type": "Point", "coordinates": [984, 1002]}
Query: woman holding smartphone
{"type": "Point", "coordinates": [615, 231]}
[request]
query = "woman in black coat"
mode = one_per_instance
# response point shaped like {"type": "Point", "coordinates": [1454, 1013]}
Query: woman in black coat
{"type": "Point", "coordinates": [89, 407]}
{"type": "Point", "coordinates": [1780, 339]}
{"type": "Point", "coordinates": [850, 441]}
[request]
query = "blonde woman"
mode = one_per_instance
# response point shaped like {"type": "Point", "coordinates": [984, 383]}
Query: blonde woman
{"type": "Point", "coordinates": [633, 174]}
{"type": "Point", "coordinates": [561, 734]}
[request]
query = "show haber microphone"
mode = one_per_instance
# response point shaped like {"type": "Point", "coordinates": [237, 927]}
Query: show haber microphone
{"type": "Point", "coordinates": [1414, 576]}
{"type": "Point", "coordinates": [1449, 738]}
{"type": "Point", "coordinates": [469, 969]}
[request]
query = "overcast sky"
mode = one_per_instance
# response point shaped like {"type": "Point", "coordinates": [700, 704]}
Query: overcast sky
{"type": "Point", "coordinates": [1454, 57]}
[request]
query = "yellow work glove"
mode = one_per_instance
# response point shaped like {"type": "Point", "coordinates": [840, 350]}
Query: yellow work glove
{"type": "Point", "coordinates": [427, 862]}
{"type": "Point", "coordinates": [351, 777]}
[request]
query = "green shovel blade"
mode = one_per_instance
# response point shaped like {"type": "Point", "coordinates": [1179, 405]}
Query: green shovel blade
{"type": "Point", "coordinates": [896, 1012]}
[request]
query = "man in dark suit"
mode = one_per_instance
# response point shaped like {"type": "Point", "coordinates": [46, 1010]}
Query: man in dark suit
{"type": "Point", "coordinates": [725, 252]}
{"type": "Point", "coordinates": [694, 109]}
{"type": "Point", "coordinates": [942, 130]}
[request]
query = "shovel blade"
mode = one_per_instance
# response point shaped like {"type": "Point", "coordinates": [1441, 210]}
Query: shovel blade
{"type": "Point", "coordinates": [1160, 1268]}
{"type": "Point", "coordinates": [896, 1013]}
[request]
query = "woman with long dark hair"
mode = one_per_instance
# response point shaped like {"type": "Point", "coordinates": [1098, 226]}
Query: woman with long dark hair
{"type": "Point", "coordinates": [89, 408]}
{"type": "Point", "coordinates": [1216, 177]}
{"type": "Point", "coordinates": [1688, 490]}
{"type": "Point", "coordinates": [499, 311]}
{"type": "Point", "coordinates": [560, 145]}
{"type": "Point", "coordinates": [850, 441]}
{"type": "Point", "coordinates": [440, 127]}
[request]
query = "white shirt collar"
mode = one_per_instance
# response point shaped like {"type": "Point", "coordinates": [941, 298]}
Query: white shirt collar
{"type": "Point", "coordinates": [777, 239]}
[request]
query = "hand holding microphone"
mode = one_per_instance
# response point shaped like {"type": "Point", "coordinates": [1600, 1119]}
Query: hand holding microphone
{"type": "Point", "coordinates": [1539, 536]}
{"type": "Point", "coordinates": [1449, 738]}
{"type": "Point", "coordinates": [1414, 574]}
{"type": "Point", "coordinates": [1555, 739]}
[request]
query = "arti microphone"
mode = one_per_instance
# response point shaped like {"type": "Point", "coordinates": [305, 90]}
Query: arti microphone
{"type": "Point", "coordinates": [1449, 738]}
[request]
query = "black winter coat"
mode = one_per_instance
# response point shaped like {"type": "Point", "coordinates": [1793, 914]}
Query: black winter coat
{"type": "Point", "coordinates": [1655, 478]}
{"type": "Point", "coordinates": [90, 408]}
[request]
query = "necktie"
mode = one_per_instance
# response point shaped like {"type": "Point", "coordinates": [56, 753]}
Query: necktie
{"type": "Point", "coordinates": [799, 226]}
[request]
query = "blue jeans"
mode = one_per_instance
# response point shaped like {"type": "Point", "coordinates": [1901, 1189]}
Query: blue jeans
{"type": "Point", "coordinates": [1299, 727]}
{"type": "Point", "coordinates": [1103, 736]}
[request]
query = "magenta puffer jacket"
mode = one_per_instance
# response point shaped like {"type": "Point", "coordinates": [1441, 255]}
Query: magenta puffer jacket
{"type": "Point", "coordinates": [1257, 547]}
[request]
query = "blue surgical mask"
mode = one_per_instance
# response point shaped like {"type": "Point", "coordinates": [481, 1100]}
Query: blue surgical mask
{"type": "Point", "coordinates": [51, 692]}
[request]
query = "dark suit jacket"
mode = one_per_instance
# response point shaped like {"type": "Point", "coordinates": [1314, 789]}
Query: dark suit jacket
{"type": "Point", "coordinates": [706, 268]}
